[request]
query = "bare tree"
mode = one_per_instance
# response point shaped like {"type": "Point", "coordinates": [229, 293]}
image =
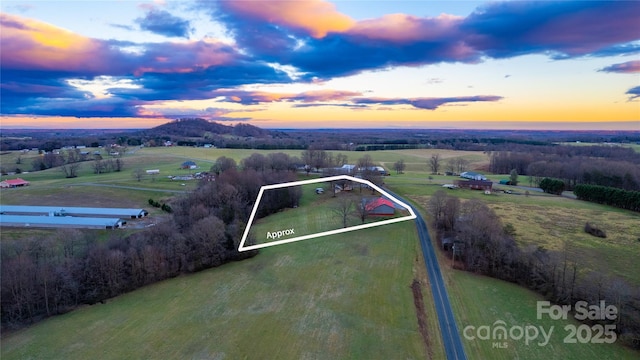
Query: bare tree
{"type": "Point", "coordinates": [461, 165]}
{"type": "Point", "coordinates": [343, 208]}
{"type": "Point", "coordinates": [138, 174]}
{"type": "Point", "coordinates": [70, 170]}
{"type": "Point", "coordinates": [399, 166]}
{"type": "Point", "coordinates": [434, 163]}
{"type": "Point", "coordinates": [361, 210]}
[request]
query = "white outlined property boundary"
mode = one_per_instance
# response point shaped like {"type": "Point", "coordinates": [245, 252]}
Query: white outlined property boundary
{"type": "Point", "coordinates": [326, 233]}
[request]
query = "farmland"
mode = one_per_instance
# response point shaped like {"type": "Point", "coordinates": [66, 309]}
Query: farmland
{"type": "Point", "coordinates": [342, 296]}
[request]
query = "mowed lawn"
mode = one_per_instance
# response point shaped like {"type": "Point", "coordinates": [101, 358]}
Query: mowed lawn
{"type": "Point", "coordinates": [317, 213]}
{"type": "Point", "coordinates": [335, 297]}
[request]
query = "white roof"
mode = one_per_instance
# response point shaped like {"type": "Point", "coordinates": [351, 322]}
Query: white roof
{"type": "Point", "coordinates": [71, 210]}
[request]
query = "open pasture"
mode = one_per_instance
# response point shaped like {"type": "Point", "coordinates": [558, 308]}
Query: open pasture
{"type": "Point", "coordinates": [329, 298]}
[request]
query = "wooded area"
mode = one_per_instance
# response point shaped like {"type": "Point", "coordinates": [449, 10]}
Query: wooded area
{"type": "Point", "coordinates": [44, 276]}
{"type": "Point", "coordinates": [482, 244]}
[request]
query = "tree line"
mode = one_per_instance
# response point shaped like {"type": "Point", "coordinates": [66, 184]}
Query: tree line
{"type": "Point", "coordinates": [595, 165]}
{"type": "Point", "coordinates": [45, 275]}
{"type": "Point", "coordinates": [482, 244]}
{"type": "Point", "coordinates": [623, 199]}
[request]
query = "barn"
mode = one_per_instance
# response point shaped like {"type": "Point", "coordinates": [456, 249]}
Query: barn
{"type": "Point", "coordinates": [62, 211]}
{"type": "Point", "coordinates": [475, 184]}
{"type": "Point", "coordinates": [60, 222]}
{"type": "Point", "coordinates": [13, 183]}
{"type": "Point", "coordinates": [380, 207]}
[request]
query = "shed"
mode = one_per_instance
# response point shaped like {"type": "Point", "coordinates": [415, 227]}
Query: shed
{"type": "Point", "coordinates": [380, 207]}
{"type": "Point", "coordinates": [189, 165]}
{"type": "Point", "coordinates": [475, 184]}
{"type": "Point", "coordinates": [13, 183]}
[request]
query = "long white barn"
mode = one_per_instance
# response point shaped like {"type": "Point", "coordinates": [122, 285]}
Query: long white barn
{"type": "Point", "coordinates": [60, 222]}
{"type": "Point", "coordinates": [59, 211]}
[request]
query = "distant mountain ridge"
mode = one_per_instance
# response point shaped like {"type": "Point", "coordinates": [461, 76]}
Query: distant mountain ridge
{"type": "Point", "coordinates": [197, 127]}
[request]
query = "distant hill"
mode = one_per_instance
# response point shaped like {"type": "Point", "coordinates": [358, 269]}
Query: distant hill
{"type": "Point", "coordinates": [200, 127]}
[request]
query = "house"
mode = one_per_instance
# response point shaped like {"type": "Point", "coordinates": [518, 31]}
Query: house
{"type": "Point", "coordinates": [189, 165]}
{"type": "Point", "coordinates": [380, 207]}
{"type": "Point", "coordinates": [475, 184]}
{"type": "Point", "coordinates": [473, 176]}
{"type": "Point", "coordinates": [13, 183]}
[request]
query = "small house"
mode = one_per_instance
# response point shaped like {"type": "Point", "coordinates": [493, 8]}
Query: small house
{"type": "Point", "coordinates": [473, 176]}
{"type": "Point", "coordinates": [380, 207]}
{"type": "Point", "coordinates": [13, 183]}
{"type": "Point", "coordinates": [189, 165]}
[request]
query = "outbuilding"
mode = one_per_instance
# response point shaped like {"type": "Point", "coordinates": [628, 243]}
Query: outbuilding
{"type": "Point", "coordinates": [189, 165]}
{"type": "Point", "coordinates": [380, 207]}
{"type": "Point", "coordinates": [13, 183]}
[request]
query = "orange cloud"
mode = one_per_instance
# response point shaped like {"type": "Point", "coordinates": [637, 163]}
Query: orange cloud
{"type": "Point", "coordinates": [317, 17]}
{"type": "Point", "coordinates": [29, 44]}
{"type": "Point", "coordinates": [407, 28]}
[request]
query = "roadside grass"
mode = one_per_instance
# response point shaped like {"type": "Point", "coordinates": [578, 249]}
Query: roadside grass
{"type": "Point", "coordinates": [328, 298]}
{"type": "Point", "coordinates": [482, 301]}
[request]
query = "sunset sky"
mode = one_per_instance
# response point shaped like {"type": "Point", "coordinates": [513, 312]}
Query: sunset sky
{"type": "Point", "coordinates": [321, 64]}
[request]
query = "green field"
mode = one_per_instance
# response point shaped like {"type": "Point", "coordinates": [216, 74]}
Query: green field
{"type": "Point", "coordinates": [317, 213]}
{"type": "Point", "coordinates": [482, 301]}
{"type": "Point", "coordinates": [341, 296]}
{"type": "Point", "coordinates": [328, 298]}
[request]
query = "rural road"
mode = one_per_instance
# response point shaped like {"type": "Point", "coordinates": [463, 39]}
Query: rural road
{"type": "Point", "coordinates": [130, 187]}
{"type": "Point", "coordinates": [448, 328]}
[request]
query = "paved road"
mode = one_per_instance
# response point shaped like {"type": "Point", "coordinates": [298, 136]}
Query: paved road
{"type": "Point", "coordinates": [448, 328]}
{"type": "Point", "coordinates": [130, 187]}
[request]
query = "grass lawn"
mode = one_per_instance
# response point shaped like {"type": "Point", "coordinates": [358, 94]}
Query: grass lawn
{"type": "Point", "coordinates": [481, 301]}
{"type": "Point", "coordinates": [317, 213]}
{"type": "Point", "coordinates": [335, 297]}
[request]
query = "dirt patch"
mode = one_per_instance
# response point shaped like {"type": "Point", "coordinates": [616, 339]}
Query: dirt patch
{"type": "Point", "coordinates": [418, 302]}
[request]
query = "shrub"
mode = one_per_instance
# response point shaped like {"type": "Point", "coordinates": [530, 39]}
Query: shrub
{"type": "Point", "coordinates": [590, 229]}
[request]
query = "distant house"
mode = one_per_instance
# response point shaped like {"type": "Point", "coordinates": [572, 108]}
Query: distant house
{"type": "Point", "coordinates": [473, 176]}
{"type": "Point", "coordinates": [475, 184]}
{"type": "Point", "coordinates": [13, 183]}
{"type": "Point", "coordinates": [380, 207]}
{"type": "Point", "coordinates": [189, 165]}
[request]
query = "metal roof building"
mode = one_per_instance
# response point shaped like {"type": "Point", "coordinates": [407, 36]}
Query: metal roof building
{"type": "Point", "coordinates": [60, 222]}
{"type": "Point", "coordinates": [72, 211]}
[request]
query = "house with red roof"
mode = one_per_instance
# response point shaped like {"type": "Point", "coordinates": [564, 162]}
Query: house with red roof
{"type": "Point", "coordinates": [13, 183]}
{"type": "Point", "coordinates": [380, 207]}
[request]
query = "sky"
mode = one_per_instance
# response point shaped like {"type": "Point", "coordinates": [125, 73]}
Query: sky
{"type": "Point", "coordinates": [565, 65]}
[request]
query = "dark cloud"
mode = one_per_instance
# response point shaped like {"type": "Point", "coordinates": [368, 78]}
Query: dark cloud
{"type": "Point", "coordinates": [564, 29]}
{"type": "Point", "coordinates": [424, 103]}
{"type": "Point", "coordinates": [498, 30]}
{"type": "Point", "coordinates": [634, 93]}
{"type": "Point", "coordinates": [626, 67]}
{"type": "Point", "coordinates": [354, 106]}
{"type": "Point", "coordinates": [161, 22]}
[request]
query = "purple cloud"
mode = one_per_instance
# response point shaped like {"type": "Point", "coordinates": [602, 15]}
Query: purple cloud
{"type": "Point", "coordinates": [161, 22]}
{"type": "Point", "coordinates": [634, 93]}
{"type": "Point", "coordinates": [424, 103]}
{"type": "Point", "coordinates": [628, 67]}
